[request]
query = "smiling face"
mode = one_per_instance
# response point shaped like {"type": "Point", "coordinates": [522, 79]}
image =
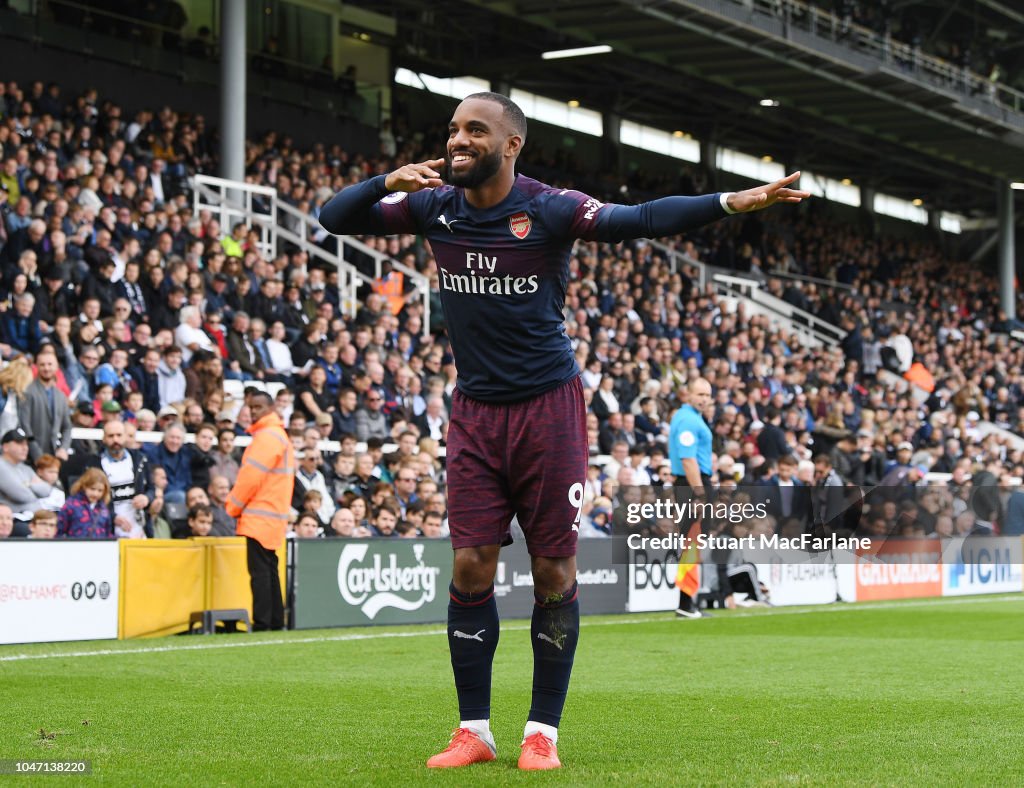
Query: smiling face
{"type": "Point", "coordinates": [480, 142]}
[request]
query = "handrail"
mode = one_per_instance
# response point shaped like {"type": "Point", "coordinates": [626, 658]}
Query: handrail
{"type": "Point", "coordinates": [671, 253]}
{"type": "Point", "coordinates": [811, 280]}
{"type": "Point", "coordinates": [419, 281]}
{"type": "Point", "coordinates": [811, 327]}
{"type": "Point", "coordinates": [217, 193]}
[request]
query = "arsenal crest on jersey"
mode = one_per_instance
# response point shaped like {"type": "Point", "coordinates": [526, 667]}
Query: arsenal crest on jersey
{"type": "Point", "coordinates": [520, 224]}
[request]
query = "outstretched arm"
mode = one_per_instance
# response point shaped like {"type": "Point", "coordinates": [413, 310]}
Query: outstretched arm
{"type": "Point", "coordinates": [350, 210]}
{"type": "Point", "coordinates": [673, 215]}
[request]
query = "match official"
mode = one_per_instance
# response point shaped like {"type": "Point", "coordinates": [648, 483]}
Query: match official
{"type": "Point", "coordinates": [689, 449]}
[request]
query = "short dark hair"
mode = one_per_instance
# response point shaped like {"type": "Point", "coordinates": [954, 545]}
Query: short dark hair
{"type": "Point", "coordinates": [267, 399]}
{"type": "Point", "coordinates": [511, 112]}
{"type": "Point", "coordinates": [198, 509]}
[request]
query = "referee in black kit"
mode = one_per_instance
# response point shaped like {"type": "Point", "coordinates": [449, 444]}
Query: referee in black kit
{"type": "Point", "coordinates": [689, 449]}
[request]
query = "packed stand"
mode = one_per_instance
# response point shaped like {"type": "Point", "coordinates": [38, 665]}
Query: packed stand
{"type": "Point", "coordinates": [123, 311]}
{"type": "Point", "coordinates": [136, 312]}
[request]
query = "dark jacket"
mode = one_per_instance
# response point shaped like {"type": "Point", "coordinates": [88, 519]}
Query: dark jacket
{"type": "Point", "coordinates": [200, 463]}
{"type": "Point", "coordinates": [21, 333]}
{"type": "Point", "coordinates": [149, 385]}
{"type": "Point", "coordinates": [237, 352]}
{"type": "Point", "coordinates": [177, 465]}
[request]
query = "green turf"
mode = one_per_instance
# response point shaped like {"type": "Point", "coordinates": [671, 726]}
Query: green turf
{"type": "Point", "coordinates": [922, 693]}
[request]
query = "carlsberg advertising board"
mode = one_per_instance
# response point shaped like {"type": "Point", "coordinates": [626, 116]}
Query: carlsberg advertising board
{"type": "Point", "coordinates": [353, 582]}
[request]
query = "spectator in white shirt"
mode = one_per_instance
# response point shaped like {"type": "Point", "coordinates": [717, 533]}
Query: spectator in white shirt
{"type": "Point", "coordinates": [189, 335]}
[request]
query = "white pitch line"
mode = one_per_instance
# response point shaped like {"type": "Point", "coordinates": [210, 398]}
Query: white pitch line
{"type": "Point", "coordinates": [778, 611]}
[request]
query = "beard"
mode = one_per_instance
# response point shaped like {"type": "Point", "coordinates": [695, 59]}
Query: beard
{"type": "Point", "coordinates": [483, 168]}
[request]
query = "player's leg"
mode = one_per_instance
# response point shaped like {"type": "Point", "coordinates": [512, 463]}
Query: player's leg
{"type": "Point", "coordinates": [550, 450]}
{"type": "Point", "coordinates": [554, 633]}
{"type": "Point", "coordinates": [479, 514]}
{"type": "Point", "coordinates": [473, 630]}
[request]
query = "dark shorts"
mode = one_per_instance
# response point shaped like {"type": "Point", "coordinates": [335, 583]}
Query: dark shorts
{"type": "Point", "coordinates": [527, 459]}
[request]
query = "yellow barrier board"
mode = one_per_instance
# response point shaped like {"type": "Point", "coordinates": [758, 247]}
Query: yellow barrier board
{"type": "Point", "coordinates": [164, 581]}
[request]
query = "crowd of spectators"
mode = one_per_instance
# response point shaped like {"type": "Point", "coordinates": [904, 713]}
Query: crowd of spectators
{"type": "Point", "coordinates": [925, 28]}
{"type": "Point", "coordinates": [124, 309]}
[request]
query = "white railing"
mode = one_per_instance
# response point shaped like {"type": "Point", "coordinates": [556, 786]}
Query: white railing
{"type": "Point", "coordinates": [811, 280]}
{"type": "Point", "coordinates": [677, 260]}
{"type": "Point", "coordinates": [809, 328]}
{"type": "Point", "coordinates": [230, 202]}
{"type": "Point", "coordinates": [233, 201]}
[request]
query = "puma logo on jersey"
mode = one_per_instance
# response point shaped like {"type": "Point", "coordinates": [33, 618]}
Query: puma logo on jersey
{"type": "Point", "coordinates": [447, 224]}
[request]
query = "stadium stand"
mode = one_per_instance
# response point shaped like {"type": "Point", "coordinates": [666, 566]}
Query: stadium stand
{"type": "Point", "coordinates": [158, 314]}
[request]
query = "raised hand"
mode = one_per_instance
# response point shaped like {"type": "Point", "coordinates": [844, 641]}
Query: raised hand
{"type": "Point", "coordinates": [762, 197]}
{"type": "Point", "coordinates": [414, 177]}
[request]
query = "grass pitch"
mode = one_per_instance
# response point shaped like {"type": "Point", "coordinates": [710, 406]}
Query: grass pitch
{"type": "Point", "coordinates": [923, 692]}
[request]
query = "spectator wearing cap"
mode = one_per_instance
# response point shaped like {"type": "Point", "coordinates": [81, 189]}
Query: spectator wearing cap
{"type": "Point", "coordinates": [84, 415]}
{"type": "Point", "coordinates": [20, 487]}
{"type": "Point", "coordinates": [324, 425]}
{"type": "Point", "coordinates": [166, 416]}
{"type": "Point", "coordinates": [904, 451]}
{"type": "Point", "coordinates": [44, 410]}
{"type": "Point", "coordinates": [217, 293]}
{"type": "Point", "coordinates": [57, 296]}
{"type": "Point", "coordinates": [110, 411]}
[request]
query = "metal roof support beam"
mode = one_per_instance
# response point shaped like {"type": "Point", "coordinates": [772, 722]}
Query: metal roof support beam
{"type": "Point", "coordinates": [1007, 261]}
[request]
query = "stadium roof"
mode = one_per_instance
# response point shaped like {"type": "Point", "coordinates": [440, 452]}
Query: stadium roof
{"type": "Point", "coordinates": [703, 66]}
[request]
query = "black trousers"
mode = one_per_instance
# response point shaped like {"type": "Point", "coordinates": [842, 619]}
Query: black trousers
{"type": "Point", "coordinates": [267, 607]}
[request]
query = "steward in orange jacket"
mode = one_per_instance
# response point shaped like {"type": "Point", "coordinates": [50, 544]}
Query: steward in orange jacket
{"type": "Point", "coordinates": [391, 285]}
{"type": "Point", "coordinates": [262, 496]}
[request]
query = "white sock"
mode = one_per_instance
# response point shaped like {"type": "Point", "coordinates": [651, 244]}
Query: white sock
{"type": "Point", "coordinates": [548, 730]}
{"type": "Point", "coordinates": [481, 728]}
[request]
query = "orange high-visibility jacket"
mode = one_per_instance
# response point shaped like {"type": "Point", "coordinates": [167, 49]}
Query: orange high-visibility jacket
{"type": "Point", "coordinates": [393, 290]}
{"type": "Point", "coordinates": [261, 499]}
{"type": "Point", "coordinates": [920, 377]}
